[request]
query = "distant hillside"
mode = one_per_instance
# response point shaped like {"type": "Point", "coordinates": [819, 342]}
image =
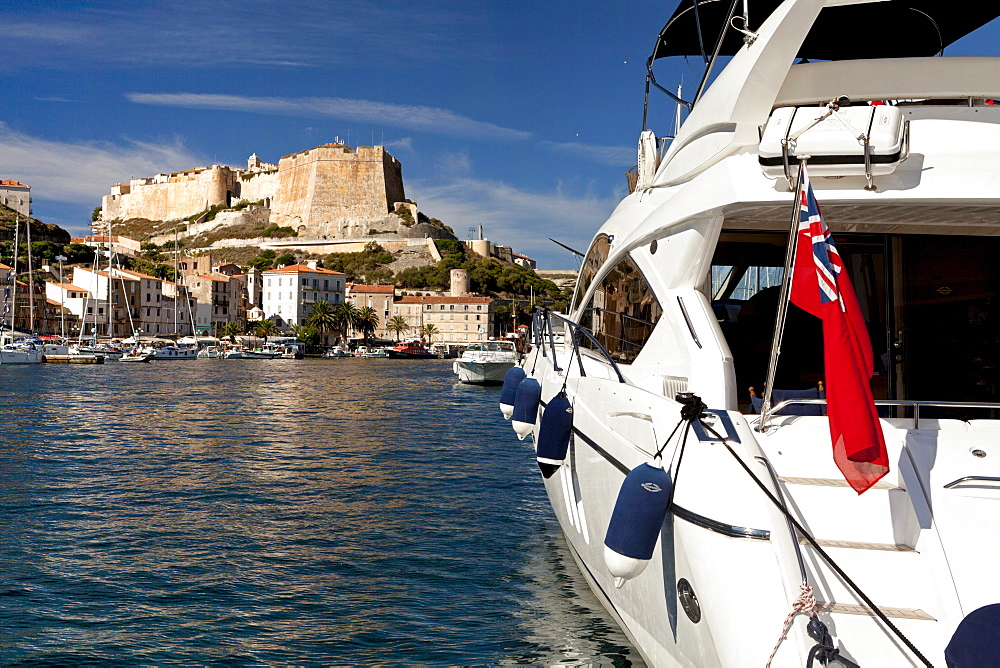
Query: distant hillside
{"type": "Point", "coordinates": [39, 231]}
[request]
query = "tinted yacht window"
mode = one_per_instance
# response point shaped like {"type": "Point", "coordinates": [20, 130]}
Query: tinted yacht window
{"type": "Point", "coordinates": [622, 313]}
{"type": "Point", "coordinates": [595, 259]}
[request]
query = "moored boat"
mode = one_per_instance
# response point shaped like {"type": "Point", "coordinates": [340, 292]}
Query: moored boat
{"type": "Point", "coordinates": [486, 362]}
{"type": "Point", "coordinates": [174, 353]}
{"type": "Point", "coordinates": [845, 511]}
{"type": "Point", "coordinates": [410, 350]}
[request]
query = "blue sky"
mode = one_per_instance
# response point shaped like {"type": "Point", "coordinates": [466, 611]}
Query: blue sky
{"type": "Point", "coordinates": [519, 116]}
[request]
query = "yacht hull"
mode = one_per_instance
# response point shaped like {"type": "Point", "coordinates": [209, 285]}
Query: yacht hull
{"type": "Point", "coordinates": [481, 373]}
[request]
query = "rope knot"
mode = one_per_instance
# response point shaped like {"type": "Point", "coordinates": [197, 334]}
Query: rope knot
{"type": "Point", "coordinates": [805, 604]}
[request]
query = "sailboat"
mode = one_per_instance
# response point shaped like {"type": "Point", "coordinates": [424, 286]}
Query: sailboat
{"type": "Point", "coordinates": [684, 410]}
{"type": "Point", "coordinates": [15, 348]}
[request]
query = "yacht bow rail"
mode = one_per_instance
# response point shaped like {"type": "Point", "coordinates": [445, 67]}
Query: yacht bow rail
{"type": "Point", "coordinates": [903, 403]}
{"type": "Point", "coordinates": [544, 333]}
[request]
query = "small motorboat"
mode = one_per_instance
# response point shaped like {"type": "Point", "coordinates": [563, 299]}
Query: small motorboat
{"type": "Point", "coordinates": [410, 350]}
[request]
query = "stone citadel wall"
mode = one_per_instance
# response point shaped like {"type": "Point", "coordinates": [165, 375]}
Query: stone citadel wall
{"type": "Point", "coordinates": [172, 196]}
{"type": "Point", "coordinates": [328, 183]}
{"type": "Point", "coordinates": [329, 190]}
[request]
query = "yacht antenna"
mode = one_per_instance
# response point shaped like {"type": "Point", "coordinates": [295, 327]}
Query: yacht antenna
{"type": "Point", "coordinates": [715, 53]}
{"type": "Point", "coordinates": [701, 40]}
{"type": "Point", "coordinates": [783, 301]}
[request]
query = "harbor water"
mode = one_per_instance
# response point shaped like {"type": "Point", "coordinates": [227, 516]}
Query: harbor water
{"type": "Point", "coordinates": [306, 512]}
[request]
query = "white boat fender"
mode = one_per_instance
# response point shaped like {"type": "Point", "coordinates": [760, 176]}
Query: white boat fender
{"type": "Point", "coordinates": [553, 434]}
{"type": "Point", "coordinates": [526, 400]}
{"type": "Point", "coordinates": [636, 521]}
{"type": "Point", "coordinates": [510, 382]}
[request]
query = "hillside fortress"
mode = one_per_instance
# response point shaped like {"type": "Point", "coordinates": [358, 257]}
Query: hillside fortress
{"type": "Point", "coordinates": [331, 191]}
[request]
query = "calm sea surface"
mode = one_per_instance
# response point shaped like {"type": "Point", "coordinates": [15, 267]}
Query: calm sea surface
{"type": "Point", "coordinates": [278, 512]}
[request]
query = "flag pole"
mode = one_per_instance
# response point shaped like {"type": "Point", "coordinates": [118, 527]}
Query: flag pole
{"type": "Point", "coordinates": [783, 301]}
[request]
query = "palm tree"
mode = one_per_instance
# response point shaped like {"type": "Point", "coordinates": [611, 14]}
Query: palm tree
{"type": "Point", "coordinates": [324, 318]}
{"type": "Point", "coordinates": [265, 328]}
{"type": "Point", "coordinates": [366, 321]}
{"type": "Point", "coordinates": [428, 331]}
{"type": "Point", "coordinates": [398, 325]}
{"type": "Point", "coordinates": [230, 329]}
{"type": "Point", "coordinates": [346, 315]}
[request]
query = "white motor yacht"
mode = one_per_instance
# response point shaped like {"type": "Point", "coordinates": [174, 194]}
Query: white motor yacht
{"type": "Point", "coordinates": [486, 362]}
{"type": "Point", "coordinates": [762, 550]}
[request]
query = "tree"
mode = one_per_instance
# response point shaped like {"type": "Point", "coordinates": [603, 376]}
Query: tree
{"type": "Point", "coordinates": [230, 329]}
{"type": "Point", "coordinates": [324, 318]}
{"type": "Point", "coordinates": [346, 315]}
{"type": "Point", "coordinates": [308, 336]}
{"type": "Point", "coordinates": [265, 328]}
{"type": "Point", "coordinates": [428, 331]}
{"type": "Point", "coordinates": [366, 321]}
{"type": "Point", "coordinates": [397, 324]}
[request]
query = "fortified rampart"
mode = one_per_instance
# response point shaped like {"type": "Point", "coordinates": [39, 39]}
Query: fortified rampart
{"type": "Point", "coordinates": [172, 196]}
{"type": "Point", "coordinates": [331, 190]}
{"type": "Point", "coordinates": [330, 183]}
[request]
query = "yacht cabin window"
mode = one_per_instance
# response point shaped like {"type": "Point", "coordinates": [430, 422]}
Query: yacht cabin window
{"type": "Point", "coordinates": [595, 259]}
{"type": "Point", "coordinates": [622, 312]}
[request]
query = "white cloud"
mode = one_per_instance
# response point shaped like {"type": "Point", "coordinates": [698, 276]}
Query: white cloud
{"type": "Point", "coordinates": [518, 218]}
{"type": "Point", "coordinates": [410, 117]}
{"type": "Point", "coordinates": [405, 144]}
{"type": "Point", "coordinates": [80, 173]}
{"type": "Point", "coordinates": [606, 155]}
{"type": "Point", "coordinates": [453, 165]}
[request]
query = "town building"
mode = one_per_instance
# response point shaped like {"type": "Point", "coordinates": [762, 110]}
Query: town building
{"type": "Point", "coordinates": [455, 319]}
{"type": "Point", "coordinates": [219, 299]}
{"type": "Point", "coordinates": [291, 292]}
{"type": "Point", "coordinates": [119, 245]}
{"type": "Point", "coordinates": [16, 195]}
{"type": "Point", "coordinates": [379, 297]}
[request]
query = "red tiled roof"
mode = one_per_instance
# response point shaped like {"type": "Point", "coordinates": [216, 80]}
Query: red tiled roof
{"type": "Point", "coordinates": [302, 269]}
{"type": "Point", "coordinates": [12, 182]}
{"type": "Point", "coordinates": [443, 300]}
{"type": "Point", "coordinates": [378, 289]}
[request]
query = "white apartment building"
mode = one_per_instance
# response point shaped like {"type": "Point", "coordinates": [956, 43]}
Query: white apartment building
{"type": "Point", "coordinates": [289, 293]}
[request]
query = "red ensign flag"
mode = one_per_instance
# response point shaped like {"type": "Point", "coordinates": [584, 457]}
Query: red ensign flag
{"type": "Point", "coordinates": [820, 287]}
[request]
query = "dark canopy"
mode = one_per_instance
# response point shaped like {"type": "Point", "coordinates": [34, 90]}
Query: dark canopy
{"type": "Point", "coordinates": [892, 29]}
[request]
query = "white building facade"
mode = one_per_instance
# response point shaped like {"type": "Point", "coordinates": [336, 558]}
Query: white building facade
{"type": "Point", "coordinates": [289, 293]}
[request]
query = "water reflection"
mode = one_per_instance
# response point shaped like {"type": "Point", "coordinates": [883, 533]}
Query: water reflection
{"type": "Point", "coordinates": [351, 511]}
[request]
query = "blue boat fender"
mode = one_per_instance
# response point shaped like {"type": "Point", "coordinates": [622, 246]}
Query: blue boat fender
{"type": "Point", "coordinates": [636, 521]}
{"type": "Point", "coordinates": [510, 382]}
{"type": "Point", "coordinates": [553, 434]}
{"type": "Point", "coordinates": [526, 400]}
{"type": "Point", "coordinates": [976, 642]}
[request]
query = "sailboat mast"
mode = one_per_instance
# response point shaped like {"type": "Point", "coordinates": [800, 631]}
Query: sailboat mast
{"type": "Point", "coordinates": [13, 288]}
{"type": "Point", "coordinates": [111, 308]}
{"type": "Point", "coordinates": [31, 283]}
{"type": "Point", "coordinates": [177, 286]}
